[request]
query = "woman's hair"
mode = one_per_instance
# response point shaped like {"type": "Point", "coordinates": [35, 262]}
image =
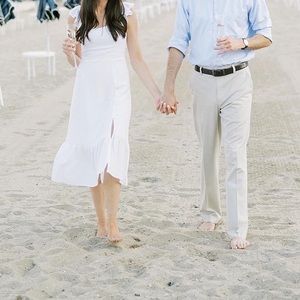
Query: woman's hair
{"type": "Point", "coordinates": [114, 18]}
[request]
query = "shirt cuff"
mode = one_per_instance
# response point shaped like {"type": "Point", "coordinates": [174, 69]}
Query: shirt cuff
{"type": "Point", "coordinates": [181, 46]}
{"type": "Point", "coordinates": [266, 32]}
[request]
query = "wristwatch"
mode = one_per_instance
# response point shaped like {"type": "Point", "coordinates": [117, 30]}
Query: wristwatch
{"type": "Point", "coordinates": [246, 43]}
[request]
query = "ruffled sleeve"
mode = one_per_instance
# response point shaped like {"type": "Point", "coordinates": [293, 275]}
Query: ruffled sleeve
{"type": "Point", "coordinates": [128, 8]}
{"type": "Point", "coordinates": [74, 13]}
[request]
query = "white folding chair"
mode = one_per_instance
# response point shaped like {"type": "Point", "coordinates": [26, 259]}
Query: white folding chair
{"type": "Point", "coordinates": [31, 57]}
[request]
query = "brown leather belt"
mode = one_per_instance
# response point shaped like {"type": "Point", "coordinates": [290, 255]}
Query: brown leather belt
{"type": "Point", "coordinates": [222, 72]}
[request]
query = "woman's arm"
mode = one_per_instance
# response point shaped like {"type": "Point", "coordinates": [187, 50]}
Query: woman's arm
{"type": "Point", "coordinates": [137, 60]}
{"type": "Point", "coordinates": [72, 49]}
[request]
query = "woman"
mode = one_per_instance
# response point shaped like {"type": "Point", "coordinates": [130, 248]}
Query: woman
{"type": "Point", "coordinates": [96, 151]}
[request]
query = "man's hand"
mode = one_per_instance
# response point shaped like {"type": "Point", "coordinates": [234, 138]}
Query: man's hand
{"type": "Point", "coordinates": [168, 104]}
{"type": "Point", "coordinates": [226, 44]}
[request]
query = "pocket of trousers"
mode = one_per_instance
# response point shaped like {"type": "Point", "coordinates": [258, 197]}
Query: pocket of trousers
{"type": "Point", "coordinates": [250, 78]}
{"type": "Point", "coordinates": [192, 82]}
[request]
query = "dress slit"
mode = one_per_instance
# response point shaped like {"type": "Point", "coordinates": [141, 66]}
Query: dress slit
{"type": "Point", "coordinates": [101, 175]}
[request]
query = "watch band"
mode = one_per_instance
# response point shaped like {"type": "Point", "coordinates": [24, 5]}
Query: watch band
{"type": "Point", "coordinates": [246, 43]}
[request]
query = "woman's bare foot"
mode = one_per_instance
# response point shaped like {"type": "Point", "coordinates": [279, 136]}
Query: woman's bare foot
{"type": "Point", "coordinates": [102, 231]}
{"type": "Point", "coordinates": [239, 243]}
{"type": "Point", "coordinates": [114, 235]}
{"type": "Point", "coordinates": [207, 226]}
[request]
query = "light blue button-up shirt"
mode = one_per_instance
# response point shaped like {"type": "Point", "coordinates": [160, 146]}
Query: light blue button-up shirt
{"type": "Point", "coordinates": [200, 22]}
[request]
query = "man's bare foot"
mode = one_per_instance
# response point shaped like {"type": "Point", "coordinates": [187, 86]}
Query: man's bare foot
{"type": "Point", "coordinates": [207, 226]}
{"type": "Point", "coordinates": [102, 231]}
{"type": "Point", "coordinates": [239, 243]}
{"type": "Point", "coordinates": [114, 235]}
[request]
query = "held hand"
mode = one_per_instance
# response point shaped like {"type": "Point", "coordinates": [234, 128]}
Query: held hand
{"type": "Point", "coordinates": [168, 104]}
{"type": "Point", "coordinates": [226, 44]}
{"type": "Point", "coordinates": [69, 47]}
{"type": "Point", "coordinates": [158, 102]}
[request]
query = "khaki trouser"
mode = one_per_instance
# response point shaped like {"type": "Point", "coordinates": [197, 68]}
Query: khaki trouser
{"type": "Point", "coordinates": [222, 108]}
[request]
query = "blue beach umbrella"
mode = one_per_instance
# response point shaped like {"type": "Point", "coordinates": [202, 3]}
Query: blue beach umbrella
{"type": "Point", "coordinates": [6, 11]}
{"type": "Point", "coordinates": [71, 3]}
{"type": "Point", "coordinates": [47, 11]}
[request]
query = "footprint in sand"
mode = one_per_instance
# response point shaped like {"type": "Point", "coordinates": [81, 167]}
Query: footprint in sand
{"type": "Point", "coordinates": [134, 267]}
{"type": "Point", "coordinates": [150, 179]}
{"type": "Point", "coordinates": [25, 265]}
{"type": "Point", "coordinates": [134, 246]}
{"type": "Point", "coordinates": [137, 239]}
{"type": "Point", "coordinates": [92, 244]}
{"type": "Point", "coordinates": [19, 297]}
{"type": "Point", "coordinates": [86, 239]}
{"type": "Point", "coordinates": [136, 243]}
{"type": "Point", "coordinates": [18, 213]}
{"type": "Point", "coordinates": [210, 255]}
{"type": "Point", "coordinates": [29, 245]}
{"type": "Point", "coordinates": [79, 234]}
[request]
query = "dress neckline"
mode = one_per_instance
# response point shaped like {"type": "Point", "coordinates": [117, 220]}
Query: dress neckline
{"type": "Point", "coordinates": [100, 27]}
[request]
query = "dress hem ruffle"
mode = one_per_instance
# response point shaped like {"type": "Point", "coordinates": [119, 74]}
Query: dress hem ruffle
{"type": "Point", "coordinates": [81, 165]}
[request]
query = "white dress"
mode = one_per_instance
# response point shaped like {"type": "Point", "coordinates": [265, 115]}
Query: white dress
{"type": "Point", "coordinates": [97, 137]}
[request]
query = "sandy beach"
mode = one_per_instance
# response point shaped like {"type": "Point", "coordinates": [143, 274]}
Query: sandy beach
{"type": "Point", "coordinates": [48, 247]}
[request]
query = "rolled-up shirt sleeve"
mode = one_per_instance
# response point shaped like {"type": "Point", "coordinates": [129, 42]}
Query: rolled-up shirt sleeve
{"type": "Point", "coordinates": [181, 36]}
{"type": "Point", "coordinates": [260, 20]}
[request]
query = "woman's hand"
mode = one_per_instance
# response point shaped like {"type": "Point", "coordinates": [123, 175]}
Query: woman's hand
{"type": "Point", "coordinates": [158, 102]}
{"type": "Point", "coordinates": [168, 104]}
{"type": "Point", "coordinates": [69, 47]}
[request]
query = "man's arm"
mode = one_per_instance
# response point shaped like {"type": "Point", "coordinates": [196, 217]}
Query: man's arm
{"type": "Point", "coordinates": [174, 63]}
{"type": "Point", "coordinates": [256, 42]}
{"type": "Point", "coordinates": [260, 25]}
{"type": "Point", "coordinates": [178, 47]}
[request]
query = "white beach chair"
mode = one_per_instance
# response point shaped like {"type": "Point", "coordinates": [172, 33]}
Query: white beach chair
{"type": "Point", "coordinates": [31, 57]}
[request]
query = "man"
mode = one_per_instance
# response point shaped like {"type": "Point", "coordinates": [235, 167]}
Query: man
{"type": "Point", "coordinates": [221, 36]}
